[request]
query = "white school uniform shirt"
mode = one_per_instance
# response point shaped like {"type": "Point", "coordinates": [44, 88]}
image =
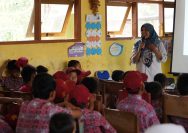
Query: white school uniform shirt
{"type": "Point", "coordinates": [155, 66]}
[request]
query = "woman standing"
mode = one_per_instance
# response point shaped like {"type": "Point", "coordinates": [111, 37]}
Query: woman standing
{"type": "Point", "coordinates": [149, 52]}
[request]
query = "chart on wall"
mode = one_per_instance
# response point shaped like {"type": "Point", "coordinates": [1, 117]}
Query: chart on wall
{"type": "Point", "coordinates": [93, 34]}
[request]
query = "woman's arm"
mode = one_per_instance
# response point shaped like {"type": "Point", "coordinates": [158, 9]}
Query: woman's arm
{"type": "Point", "coordinates": [136, 54]}
{"type": "Point", "coordinates": [160, 52]}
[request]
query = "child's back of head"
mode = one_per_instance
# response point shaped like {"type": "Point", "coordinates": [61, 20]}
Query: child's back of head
{"type": "Point", "coordinates": [90, 83]}
{"type": "Point", "coordinates": [12, 68]}
{"type": "Point", "coordinates": [28, 73]}
{"type": "Point", "coordinates": [62, 123]}
{"type": "Point", "coordinates": [74, 63]}
{"type": "Point", "coordinates": [41, 69]}
{"type": "Point", "coordinates": [161, 78]}
{"type": "Point", "coordinates": [43, 85]}
{"type": "Point", "coordinates": [155, 89]}
{"type": "Point", "coordinates": [117, 75]}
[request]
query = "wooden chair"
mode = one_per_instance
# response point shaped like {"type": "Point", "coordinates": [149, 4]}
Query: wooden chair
{"type": "Point", "coordinates": [16, 94]}
{"type": "Point", "coordinates": [110, 91]}
{"type": "Point", "coordinates": [175, 105]}
{"type": "Point", "coordinates": [123, 122]}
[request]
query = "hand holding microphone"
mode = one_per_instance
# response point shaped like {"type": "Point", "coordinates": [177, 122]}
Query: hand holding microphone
{"type": "Point", "coordinates": [142, 45]}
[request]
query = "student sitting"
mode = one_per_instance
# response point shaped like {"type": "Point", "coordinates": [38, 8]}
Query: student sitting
{"type": "Point", "coordinates": [161, 78]}
{"type": "Point", "coordinates": [182, 87]}
{"type": "Point", "coordinates": [41, 69]}
{"type": "Point", "coordinates": [62, 123]}
{"type": "Point", "coordinates": [76, 64]}
{"type": "Point", "coordinates": [117, 75]}
{"type": "Point", "coordinates": [73, 74]}
{"type": "Point", "coordinates": [93, 121]}
{"type": "Point", "coordinates": [63, 89]}
{"type": "Point", "coordinates": [134, 103]}
{"type": "Point", "coordinates": [28, 74]}
{"type": "Point", "coordinates": [35, 115]}
{"type": "Point", "coordinates": [4, 126]}
{"type": "Point", "coordinates": [90, 83]}
{"type": "Point", "coordinates": [155, 89]}
{"type": "Point", "coordinates": [12, 81]}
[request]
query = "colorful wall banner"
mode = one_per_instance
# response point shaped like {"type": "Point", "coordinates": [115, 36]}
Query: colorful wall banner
{"type": "Point", "coordinates": [76, 50]}
{"type": "Point", "coordinates": [93, 34]}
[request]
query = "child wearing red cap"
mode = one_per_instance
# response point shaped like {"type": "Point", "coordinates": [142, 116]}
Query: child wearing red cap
{"type": "Point", "coordinates": [35, 115]}
{"type": "Point", "coordinates": [93, 121]}
{"type": "Point", "coordinates": [134, 103]}
{"type": "Point", "coordinates": [73, 74]}
{"type": "Point", "coordinates": [76, 64]}
{"type": "Point", "coordinates": [12, 81]}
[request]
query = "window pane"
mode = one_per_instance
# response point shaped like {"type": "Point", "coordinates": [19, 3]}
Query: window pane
{"type": "Point", "coordinates": [148, 13]}
{"type": "Point", "coordinates": [169, 19]}
{"type": "Point", "coordinates": [127, 32]}
{"type": "Point", "coordinates": [53, 19]}
{"type": "Point", "coordinates": [15, 17]}
{"type": "Point", "coordinates": [115, 17]}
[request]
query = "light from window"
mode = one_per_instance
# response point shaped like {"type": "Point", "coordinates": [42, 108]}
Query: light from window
{"type": "Point", "coordinates": [115, 17]}
{"type": "Point", "coordinates": [148, 13]}
{"type": "Point", "coordinates": [53, 20]}
{"type": "Point", "coordinates": [15, 17]}
{"type": "Point", "coordinates": [52, 17]}
{"type": "Point", "coordinates": [169, 19]}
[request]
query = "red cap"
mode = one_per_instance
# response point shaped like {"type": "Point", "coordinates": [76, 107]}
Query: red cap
{"type": "Point", "coordinates": [22, 61]}
{"type": "Point", "coordinates": [144, 77]}
{"type": "Point", "coordinates": [85, 74]}
{"type": "Point", "coordinates": [80, 94]}
{"type": "Point", "coordinates": [60, 75]}
{"type": "Point", "coordinates": [133, 80]}
{"type": "Point", "coordinates": [63, 87]}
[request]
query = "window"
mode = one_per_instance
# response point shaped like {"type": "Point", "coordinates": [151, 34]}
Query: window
{"type": "Point", "coordinates": [169, 19]}
{"type": "Point", "coordinates": [119, 21]}
{"type": "Point", "coordinates": [54, 20]}
{"type": "Point", "coordinates": [15, 17]}
{"type": "Point", "coordinates": [148, 13]}
{"type": "Point", "coordinates": [125, 17]}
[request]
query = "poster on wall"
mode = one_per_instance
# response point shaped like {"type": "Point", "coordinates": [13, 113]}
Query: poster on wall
{"type": "Point", "coordinates": [116, 49]}
{"type": "Point", "coordinates": [168, 45]}
{"type": "Point", "coordinates": [76, 50]}
{"type": "Point", "coordinates": [93, 34]}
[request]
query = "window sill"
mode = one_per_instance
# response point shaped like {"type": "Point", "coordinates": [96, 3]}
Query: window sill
{"type": "Point", "coordinates": [41, 41]}
{"type": "Point", "coordinates": [118, 38]}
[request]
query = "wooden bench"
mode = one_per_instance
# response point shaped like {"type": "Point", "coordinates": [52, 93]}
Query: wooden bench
{"type": "Point", "coordinates": [175, 105]}
{"type": "Point", "coordinates": [123, 122]}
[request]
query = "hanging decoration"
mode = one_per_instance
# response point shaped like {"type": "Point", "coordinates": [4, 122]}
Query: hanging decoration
{"type": "Point", "coordinates": [93, 34]}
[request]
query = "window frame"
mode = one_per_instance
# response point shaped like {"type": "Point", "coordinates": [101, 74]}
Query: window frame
{"type": "Point", "coordinates": [134, 5]}
{"type": "Point", "coordinates": [37, 23]}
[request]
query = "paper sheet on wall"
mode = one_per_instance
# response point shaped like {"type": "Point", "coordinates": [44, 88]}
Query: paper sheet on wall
{"type": "Point", "coordinates": [93, 34]}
